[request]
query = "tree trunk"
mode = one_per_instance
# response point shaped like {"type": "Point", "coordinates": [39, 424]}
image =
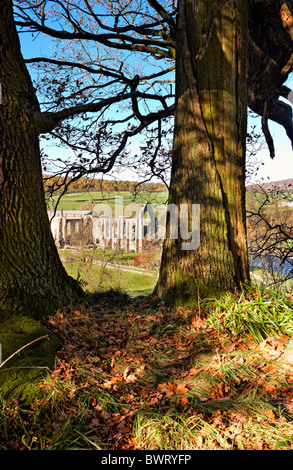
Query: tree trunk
{"type": "Point", "coordinates": [209, 154]}
{"type": "Point", "coordinates": [33, 280]}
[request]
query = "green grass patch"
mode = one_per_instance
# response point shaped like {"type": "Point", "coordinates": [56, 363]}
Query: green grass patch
{"type": "Point", "coordinates": [99, 278]}
{"type": "Point", "coordinates": [255, 312]}
{"type": "Point", "coordinates": [88, 199]}
{"type": "Point", "coordinates": [97, 270]}
{"type": "Point", "coordinates": [86, 254]}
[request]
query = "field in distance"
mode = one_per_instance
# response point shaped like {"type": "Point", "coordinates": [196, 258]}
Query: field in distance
{"type": "Point", "coordinates": [87, 200]}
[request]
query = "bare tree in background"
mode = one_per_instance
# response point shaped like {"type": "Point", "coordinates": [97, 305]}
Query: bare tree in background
{"type": "Point", "coordinates": [270, 232]}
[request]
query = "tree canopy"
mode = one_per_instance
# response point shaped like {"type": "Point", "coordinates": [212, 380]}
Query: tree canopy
{"type": "Point", "coordinates": [113, 66]}
{"type": "Point", "coordinates": [93, 74]}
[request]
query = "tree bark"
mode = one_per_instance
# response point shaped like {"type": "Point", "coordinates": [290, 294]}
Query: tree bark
{"type": "Point", "coordinates": [209, 154]}
{"type": "Point", "coordinates": [33, 280]}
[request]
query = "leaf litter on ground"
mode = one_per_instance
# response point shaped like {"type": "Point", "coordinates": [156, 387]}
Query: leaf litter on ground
{"type": "Point", "coordinates": [136, 374]}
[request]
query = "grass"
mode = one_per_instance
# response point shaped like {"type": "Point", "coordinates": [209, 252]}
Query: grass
{"type": "Point", "coordinates": [119, 257]}
{"type": "Point", "coordinates": [135, 374]}
{"type": "Point", "coordinates": [97, 270]}
{"type": "Point", "coordinates": [257, 313]}
{"type": "Point", "coordinates": [97, 277]}
{"type": "Point", "coordinates": [88, 199]}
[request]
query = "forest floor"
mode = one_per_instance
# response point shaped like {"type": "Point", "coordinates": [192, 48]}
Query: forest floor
{"type": "Point", "coordinates": [134, 374]}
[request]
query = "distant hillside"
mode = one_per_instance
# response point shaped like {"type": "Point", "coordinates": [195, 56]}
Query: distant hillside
{"type": "Point", "coordinates": [282, 185]}
{"type": "Point", "coordinates": [107, 186]}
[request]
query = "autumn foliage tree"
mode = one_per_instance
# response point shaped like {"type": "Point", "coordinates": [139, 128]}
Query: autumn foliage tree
{"type": "Point", "coordinates": [110, 78]}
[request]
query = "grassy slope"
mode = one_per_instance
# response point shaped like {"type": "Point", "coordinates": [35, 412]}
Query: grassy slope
{"type": "Point", "coordinates": [116, 278]}
{"type": "Point", "coordinates": [87, 200]}
{"type": "Point", "coordinates": [101, 275]}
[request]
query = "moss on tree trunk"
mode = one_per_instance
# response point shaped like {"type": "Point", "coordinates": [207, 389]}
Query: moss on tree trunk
{"type": "Point", "coordinates": [209, 154]}
{"type": "Point", "coordinates": [33, 280]}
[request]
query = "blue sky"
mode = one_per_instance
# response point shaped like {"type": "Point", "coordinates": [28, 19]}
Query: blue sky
{"type": "Point", "coordinates": [282, 165]}
{"type": "Point", "coordinates": [273, 170]}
